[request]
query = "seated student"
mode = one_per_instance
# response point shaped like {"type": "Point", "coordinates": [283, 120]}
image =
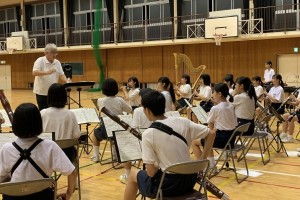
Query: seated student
{"type": "Point", "coordinates": [47, 155]}
{"type": "Point", "coordinates": [132, 97]}
{"type": "Point", "coordinates": [288, 125]}
{"type": "Point", "coordinates": [229, 82]}
{"type": "Point", "coordinates": [60, 120]}
{"type": "Point", "coordinates": [244, 102]}
{"type": "Point", "coordinates": [155, 151]}
{"type": "Point", "coordinates": [222, 118]}
{"type": "Point", "coordinates": [184, 91]}
{"type": "Point", "coordinates": [139, 120]}
{"type": "Point", "coordinates": [165, 86]}
{"type": "Point", "coordinates": [116, 105]}
{"type": "Point", "coordinates": [258, 86]}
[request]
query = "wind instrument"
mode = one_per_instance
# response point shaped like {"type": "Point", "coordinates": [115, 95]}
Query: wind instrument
{"type": "Point", "coordinates": [6, 106]}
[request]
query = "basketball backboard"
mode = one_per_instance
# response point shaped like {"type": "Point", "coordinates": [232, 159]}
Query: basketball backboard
{"type": "Point", "coordinates": [14, 43]}
{"type": "Point", "coordinates": [225, 26]}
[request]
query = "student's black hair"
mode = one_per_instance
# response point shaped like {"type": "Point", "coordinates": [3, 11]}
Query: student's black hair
{"type": "Point", "coordinates": [229, 78]}
{"type": "Point", "coordinates": [154, 101]}
{"type": "Point", "coordinates": [27, 121]}
{"type": "Point", "coordinates": [248, 87]}
{"type": "Point", "coordinates": [269, 63]}
{"type": "Point", "coordinates": [144, 91]}
{"type": "Point", "coordinates": [279, 77]}
{"type": "Point", "coordinates": [257, 78]}
{"type": "Point", "coordinates": [187, 78]}
{"type": "Point", "coordinates": [168, 84]}
{"type": "Point", "coordinates": [135, 80]}
{"type": "Point", "coordinates": [206, 79]}
{"type": "Point", "coordinates": [223, 88]}
{"type": "Point", "coordinates": [110, 87]}
{"type": "Point", "coordinates": [57, 96]}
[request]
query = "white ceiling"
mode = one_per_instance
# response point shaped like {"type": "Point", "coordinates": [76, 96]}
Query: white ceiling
{"type": "Point", "coordinates": [13, 2]}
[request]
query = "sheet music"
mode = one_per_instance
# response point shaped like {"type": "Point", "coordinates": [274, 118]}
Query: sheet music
{"type": "Point", "coordinates": [111, 125]}
{"type": "Point", "coordinates": [172, 114]}
{"type": "Point", "coordinates": [7, 121]}
{"type": "Point", "coordinates": [10, 137]}
{"type": "Point", "coordinates": [128, 146]}
{"type": "Point", "coordinates": [200, 114]}
{"type": "Point", "coordinates": [86, 115]}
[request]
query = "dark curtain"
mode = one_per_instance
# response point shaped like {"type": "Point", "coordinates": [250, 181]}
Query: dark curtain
{"type": "Point", "coordinates": [268, 14]}
{"type": "Point", "coordinates": [18, 12]}
{"type": "Point", "coordinates": [179, 14]}
{"type": "Point", "coordinates": [70, 10]}
{"type": "Point", "coordinates": [28, 14]}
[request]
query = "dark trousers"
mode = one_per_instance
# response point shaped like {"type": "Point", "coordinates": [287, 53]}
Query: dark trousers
{"type": "Point", "coordinates": [41, 101]}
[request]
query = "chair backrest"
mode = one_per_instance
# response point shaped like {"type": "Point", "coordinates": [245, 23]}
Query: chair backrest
{"type": "Point", "coordinates": [191, 167]}
{"type": "Point", "coordinates": [27, 187]}
{"type": "Point", "coordinates": [65, 143]}
{"type": "Point", "coordinates": [263, 123]}
{"type": "Point", "coordinates": [241, 129]}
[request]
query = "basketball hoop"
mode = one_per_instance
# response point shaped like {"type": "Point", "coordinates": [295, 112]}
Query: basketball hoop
{"type": "Point", "coordinates": [10, 50]}
{"type": "Point", "coordinates": [218, 39]}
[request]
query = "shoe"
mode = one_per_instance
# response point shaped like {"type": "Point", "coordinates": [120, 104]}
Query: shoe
{"type": "Point", "coordinates": [298, 154]}
{"type": "Point", "coordinates": [288, 140]}
{"type": "Point", "coordinates": [95, 159]}
{"type": "Point", "coordinates": [283, 135]}
{"type": "Point", "coordinates": [123, 178]}
{"type": "Point", "coordinates": [270, 136]}
{"type": "Point", "coordinates": [298, 149]}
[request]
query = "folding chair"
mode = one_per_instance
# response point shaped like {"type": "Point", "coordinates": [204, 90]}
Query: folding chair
{"type": "Point", "coordinates": [260, 134]}
{"type": "Point", "coordinates": [66, 143]}
{"type": "Point", "coordinates": [22, 189]}
{"type": "Point", "coordinates": [229, 152]}
{"type": "Point", "coordinates": [191, 167]}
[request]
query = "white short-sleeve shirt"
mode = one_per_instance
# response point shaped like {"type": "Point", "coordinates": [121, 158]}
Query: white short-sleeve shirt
{"type": "Point", "coordinates": [139, 119]}
{"type": "Point", "coordinates": [42, 83]}
{"type": "Point", "coordinates": [47, 155]}
{"type": "Point", "coordinates": [244, 106]}
{"type": "Point", "coordinates": [277, 93]}
{"type": "Point", "coordinates": [167, 149]}
{"type": "Point", "coordinates": [186, 89]}
{"type": "Point", "coordinates": [134, 97]}
{"type": "Point", "coordinates": [223, 116]}
{"type": "Point", "coordinates": [258, 90]}
{"type": "Point", "coordinates": [116, 105]}
{"type": "Point", "coordinates": [268, 74]}
{"type": "Point", "coordinates": [61, 121]}
{"type": "Point", "coordinates": [205, 91]}
{"type": "Point", "coordinates": [169, 102]}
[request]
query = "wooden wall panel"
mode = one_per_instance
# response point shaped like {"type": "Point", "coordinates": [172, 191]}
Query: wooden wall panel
{"type": "Point", "coordinates": [151, 64]}
{"type": "Point", "coordinates": [243, 58]}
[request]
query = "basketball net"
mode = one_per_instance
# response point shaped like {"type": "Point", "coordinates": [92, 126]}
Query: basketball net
{"type": "Point", "coordinates": [10, 50]}
{"type": "Point", "coordinates": [218, 39]}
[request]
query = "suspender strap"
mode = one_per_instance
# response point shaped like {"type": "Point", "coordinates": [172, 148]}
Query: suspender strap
{"type": "Point", "coordinates": [164, 128]}
{"type": "Point", "coordinates": [25, 155]}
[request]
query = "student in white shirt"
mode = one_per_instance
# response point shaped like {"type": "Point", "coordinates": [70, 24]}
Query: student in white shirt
{"type": "Point", "coordinates": [258, 86]}
{"type": "Point", "coordinates": [116, 105]}
{"type": "Point", "coordinates": [288, 126]}
{"type": "Point", "coordinates": [184, 91]}
{"type": "Point", "coordinates": [165, 86]}
{"type": "Point", "coordinates": [2, 120]}
{"type": "Point", "coordinates": [132, 97]}
{"type": "Point", "coordinates": [165, 150]}
{"type": "Point", "coordinates": [48, 156]}
{"type": "Point", "coordinates": [244, 102]}
{"type": "Point", "coordinates": [205, 92]}
{"type": "Point", "coordinates": [60, 120]}
{"type": "Point", "coordinates": [221, 118]}
{"type": "Point", "coordinates": [276, 94]}
{"type": "Point", "coordinates": [269, 72]}
{"type": "Point", "coordinates": [229, 82]}
{"type": "Point", "coordinates": [139, 120]}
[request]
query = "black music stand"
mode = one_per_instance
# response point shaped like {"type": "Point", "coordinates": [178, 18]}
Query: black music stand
{"type": "Point", "coordinates": [279, 144]}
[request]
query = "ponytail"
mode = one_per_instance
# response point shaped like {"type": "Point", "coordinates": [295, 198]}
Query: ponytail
{"type": "Point", "coordinates": [172, 93]}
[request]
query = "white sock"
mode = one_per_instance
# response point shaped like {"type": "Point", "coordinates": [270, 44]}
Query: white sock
{"type": "Point", "coordinates": [96, 151]}
{"type": "Point", "coordinates": [283, 134]}
{"type": "Point", "coordinates": [127, 172]}
{"type": "Point", "coordinates": [212, 161]}
{"type": "Point", "coordinates": [290, 136]}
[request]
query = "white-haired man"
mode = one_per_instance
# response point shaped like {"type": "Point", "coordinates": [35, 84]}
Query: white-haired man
{"type": "Point", "coordinates": [47, 70]}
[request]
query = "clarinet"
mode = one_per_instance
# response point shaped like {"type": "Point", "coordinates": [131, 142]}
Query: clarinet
{"type": "Point", "coordinates": [288, 99]}
{"type": "Point", "coordinates": [6, 106]}
{"type": "Point", "coordinates": [121, 123]}
{"type": "Point", "coordinates": [216, 191]}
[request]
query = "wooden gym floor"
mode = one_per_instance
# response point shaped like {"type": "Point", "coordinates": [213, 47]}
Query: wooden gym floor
{"type": "Point", "coordinates": [279, 179]}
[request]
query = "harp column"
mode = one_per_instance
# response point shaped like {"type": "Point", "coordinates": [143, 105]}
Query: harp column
{"type": "Point", "coordinates": [116, 21]}
{"type": "Point", "coordinates": [175, 19]}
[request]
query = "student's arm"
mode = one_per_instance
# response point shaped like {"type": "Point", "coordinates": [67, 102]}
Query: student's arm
{"type": "Point", "coordinates": [43, 73]}
{"type": "Point", "coordinates": [63, 78]}
{"type": "Point", "coordinates": [151, 169]}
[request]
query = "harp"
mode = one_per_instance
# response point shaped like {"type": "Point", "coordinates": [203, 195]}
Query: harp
{"type": "Point", "coordinates": [184, 61]}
